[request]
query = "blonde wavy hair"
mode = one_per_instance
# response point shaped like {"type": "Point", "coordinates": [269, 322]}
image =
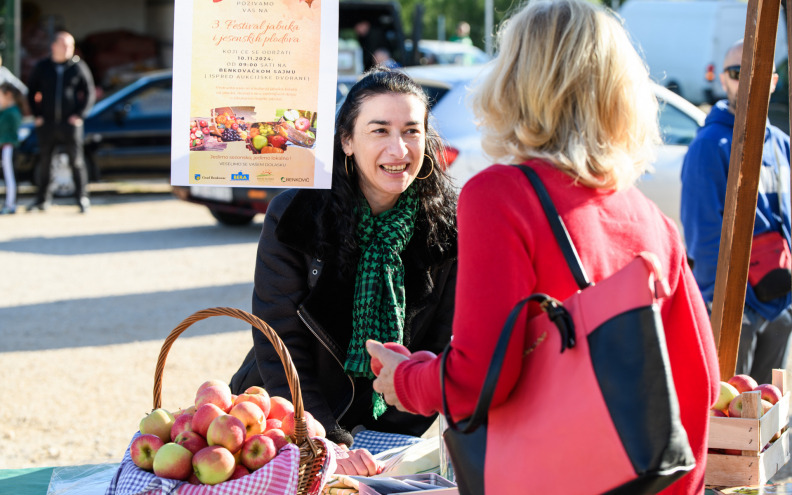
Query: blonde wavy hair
{"type": "Point", "coordinates": [567, 86]}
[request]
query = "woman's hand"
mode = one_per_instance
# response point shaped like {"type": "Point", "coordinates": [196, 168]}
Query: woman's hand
{"type": "Point", "coordinates": [384, 382]}
{"type": "Point", "coordinates": [359, 463]}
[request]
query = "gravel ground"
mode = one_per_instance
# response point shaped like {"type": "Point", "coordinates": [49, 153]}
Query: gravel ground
{"type": "Point", "coordinates": [86, 303]}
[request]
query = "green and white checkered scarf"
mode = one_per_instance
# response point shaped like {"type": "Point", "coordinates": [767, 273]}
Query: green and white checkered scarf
{"type": "Point", "coordinates": [379, 305]}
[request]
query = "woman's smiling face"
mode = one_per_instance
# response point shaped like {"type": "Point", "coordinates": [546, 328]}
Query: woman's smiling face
{"type": "Point", "coordinates": [388, 144]}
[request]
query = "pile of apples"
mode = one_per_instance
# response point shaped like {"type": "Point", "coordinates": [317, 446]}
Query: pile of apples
{"type": "Point", "coordinates": [730, 402]}
{"type": "Point", "coordinates": [221, 437]}
{"type": "Point", "coordinates": [199, 132]}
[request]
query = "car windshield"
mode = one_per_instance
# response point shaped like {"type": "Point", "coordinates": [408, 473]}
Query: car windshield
{"type": "Point", "coordinates": [676, 127]}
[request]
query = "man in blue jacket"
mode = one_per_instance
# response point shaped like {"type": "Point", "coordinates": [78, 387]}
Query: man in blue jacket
{"type": "Point", "coordinates": [766, 326]}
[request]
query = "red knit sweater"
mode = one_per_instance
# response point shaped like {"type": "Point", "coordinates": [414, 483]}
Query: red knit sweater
{"type": "Point", "coordinates": [507, 252]}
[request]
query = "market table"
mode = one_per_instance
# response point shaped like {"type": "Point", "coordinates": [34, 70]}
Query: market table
{"type": "Point", "coordinates": [36, 481]}
{"type": "Point", "coordinates": [88, 479]}
{"type": "Point", "coordinates": [33, 481]}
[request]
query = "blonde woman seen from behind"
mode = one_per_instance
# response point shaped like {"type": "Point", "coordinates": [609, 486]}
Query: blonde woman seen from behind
{"type": "Point", "coordinates": [569, 97]}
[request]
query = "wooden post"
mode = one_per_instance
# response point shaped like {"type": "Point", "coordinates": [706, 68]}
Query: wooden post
{"type": "Point", "coordinates": [753, 98]}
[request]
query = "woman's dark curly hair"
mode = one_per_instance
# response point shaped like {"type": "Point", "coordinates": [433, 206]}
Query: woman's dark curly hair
{"type": "Point", "coordinates": [437, 211]}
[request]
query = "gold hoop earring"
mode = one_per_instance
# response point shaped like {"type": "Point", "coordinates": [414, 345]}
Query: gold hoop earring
{"type": "Point", "coordinates": [431, 171]}
{"type": "Point", "coordinates": [346, 157]}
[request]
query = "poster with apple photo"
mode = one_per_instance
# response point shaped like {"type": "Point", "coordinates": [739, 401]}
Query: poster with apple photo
{"type": "Point", "coordinates": [254, 93]}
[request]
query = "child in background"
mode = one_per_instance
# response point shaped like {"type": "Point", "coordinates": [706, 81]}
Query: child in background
{"type": "Point", "coordinates": [11, 102]}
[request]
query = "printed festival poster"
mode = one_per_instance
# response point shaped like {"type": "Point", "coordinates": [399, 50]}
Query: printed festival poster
{"type": "Point", "coordinates": [254, 84]}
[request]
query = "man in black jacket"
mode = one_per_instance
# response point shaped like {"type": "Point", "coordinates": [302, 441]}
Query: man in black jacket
{"type": "Point", "coordinates": [61, 92]}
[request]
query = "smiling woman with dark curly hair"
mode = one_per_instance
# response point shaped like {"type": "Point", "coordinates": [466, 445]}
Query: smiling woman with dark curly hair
{"type": "Point", "coordinates": [372, 257]}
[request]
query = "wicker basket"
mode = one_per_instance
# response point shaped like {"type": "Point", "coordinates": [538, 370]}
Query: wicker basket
{"type": "Point", "coordinates": [313, 454]}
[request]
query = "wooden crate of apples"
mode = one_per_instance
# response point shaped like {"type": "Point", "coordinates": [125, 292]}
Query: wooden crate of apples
{"type": "Point", "coordinates": [748, 437]}
{"type": "Point", "coordinates": [221, 437]}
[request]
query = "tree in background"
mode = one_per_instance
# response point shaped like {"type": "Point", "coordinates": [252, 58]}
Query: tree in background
{"type": "Point", "coordinates": [455, 11]}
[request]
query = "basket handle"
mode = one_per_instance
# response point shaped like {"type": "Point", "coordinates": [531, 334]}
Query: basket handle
{"type": "Point", "coordinates": [300, 424]}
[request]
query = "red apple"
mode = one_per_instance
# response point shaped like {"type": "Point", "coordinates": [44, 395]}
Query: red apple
{"type": "Point", "coordinates": [203, 417]}
{"type": "Point", "coordinates": [279, 407]}
{"type": "Point", "coordinates": [273, 423]}
{"type": "Point", "coordinates": [215, 394]}
{"type": "Point", "coordinates": [376, 365]}
{"type": "Point", "coordinates": [239, 471]}
{"type": "Point", "coordinates": [213, 464]}
{"type": "Point", "coordinates": [423, 355]}
{"type": "Point", "coordinates": [143, 449]}
{"type": "Point", "coordinates": [766, 406]}
{"type": "Point", "coordinates": [262, 401]}
{"type": "Point", "coordinates": [770, 392]}
{"type": "Point", "coordinates": [726, 395]}
{"type": "Point", "coordinates": [310, 424]}
{"type": "Point", "coordinates": [718, 413]}
{"type": "Point", "coordinates": [191, 441]}
{"type": "Point", "coordinates": [288, 424]}
{"type": "Point", "coordinates": [743, 383]}
{"type": "Point", "coordinates": [227, 431]}
{"type": "Point", "coordinates": [173, 462]}
{"type": "Point", "coordinates": [189, 410]}
{"type": "Point", "coordinates": [182, 423]}
{"type": "Point", "coordinates": [277, 141]}
{"type": "Point", "coordinates": [255, 389]}
{"type": "Point", "coordinates": [736, 407]}
{"type": "Point", "coordinates": [279, 437]}
{"type": "Point", "coordinates": [251, 416]}
{"type": "Point", "coordinates": [302, 124]}
{"type": "Point", "coordinates": [396, 347]}
{"type": "Point", "coordinates": [257, 451]}
{"type": "Point", "coordinates": [158, 422]}
{"type": "Point", "coordinates": [210, 383]}
{"type": "Point", "coordinates": [319, 429]}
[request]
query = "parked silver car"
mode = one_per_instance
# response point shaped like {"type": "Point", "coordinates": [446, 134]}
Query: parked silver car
{"type": "Point", "coordinates": [447, 52]}
{"type": "Point", "coordinates": [448, 87]}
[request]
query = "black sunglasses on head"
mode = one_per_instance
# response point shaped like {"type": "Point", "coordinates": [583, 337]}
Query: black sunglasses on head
{"type": "Point", "coordinates": [733, 71]}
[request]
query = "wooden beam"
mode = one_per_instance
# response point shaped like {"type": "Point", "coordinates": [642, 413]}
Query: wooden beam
{"type": "Point", "coordinates": [753, 98]}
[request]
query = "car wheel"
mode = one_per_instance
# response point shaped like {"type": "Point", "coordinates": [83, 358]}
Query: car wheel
{"type": "Point", "coordinates": [61, 178]}
{"type": "Point", "coordinates": [235, 219]}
